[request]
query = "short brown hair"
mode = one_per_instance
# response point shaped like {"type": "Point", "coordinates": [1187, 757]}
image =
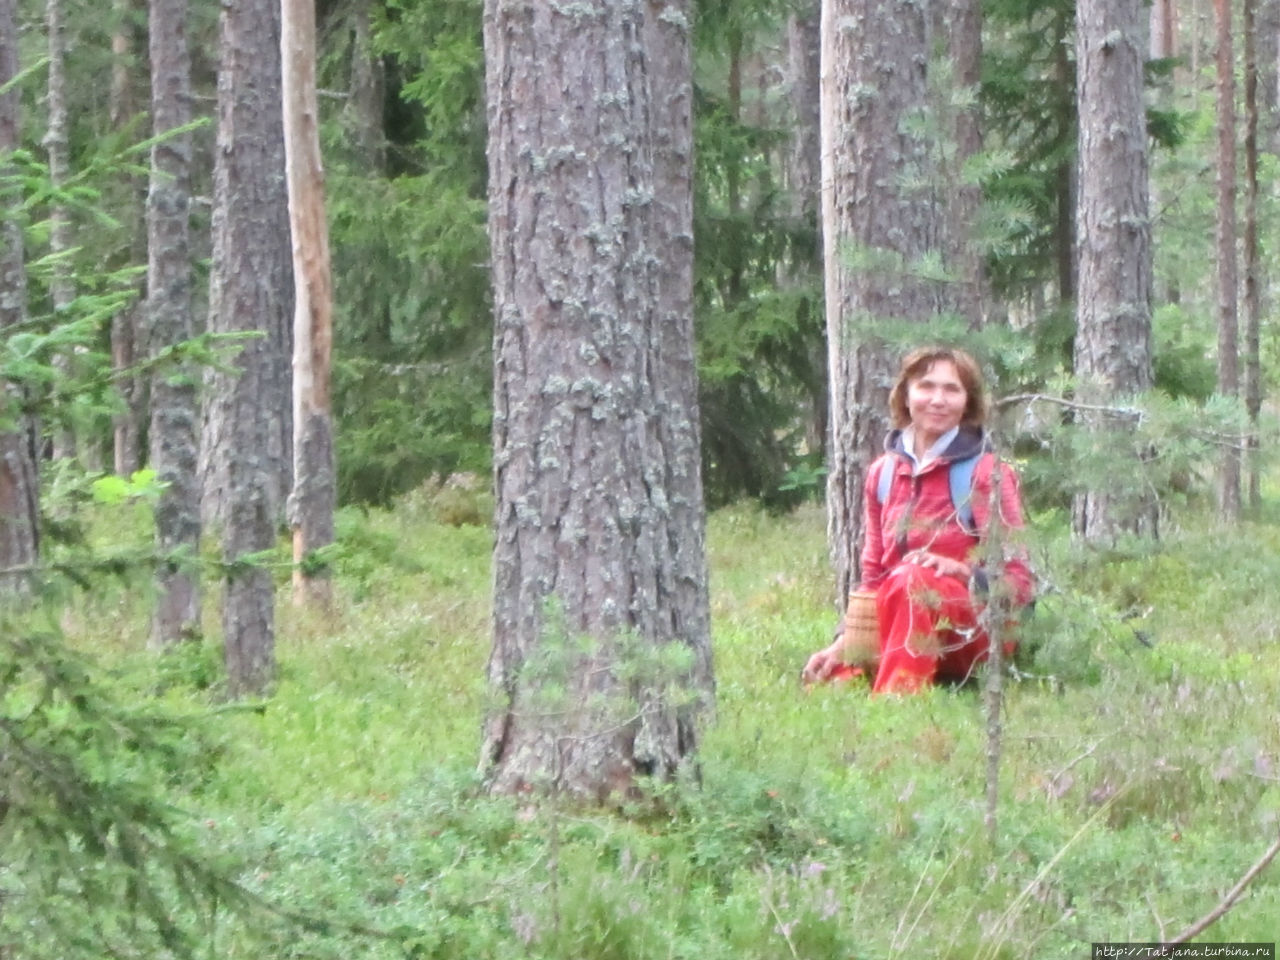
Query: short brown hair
{"type": "Point", "coordinates": [918, 362]}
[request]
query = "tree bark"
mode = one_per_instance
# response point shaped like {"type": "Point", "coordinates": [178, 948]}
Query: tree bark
{"type": "Point", "coordinates": [1253, 279]}
{"type": "Point", "coordinates": [125, 333]}
{"type": "Point", "coordinates": [19, 491]}
{"type": "Point", "coordinates": [1267, 41]}
{"type": "Point", "coordinates": [876, 228]}
{"type": "Point", "coordinates": [368, 91]}
{"type": "Point", "coordinates": [1067, 189]}
{"type": "Point", "coordinates": [312, 502]}
{"type": "Point", "coordinates": [246, 421]}
{"type": "Point", "coordinates": [1225, 239]}
{"type": "Point", "coordinates": [962, 28]}
{"type": "Point", "coordinates": [172, 435]}
{"type": "Point", "coordinates": [600, 585]}
{"type": "Point", "coordinates": [803, 176]}
{"type": "Point", "coordinates": [1163, 29]}
{"type": "Point", "coordinates": [1113, 308]}
{"type": "Point", "coordinates": [61, 286]}
{"type": "Point", "coordinates": [255, 291]}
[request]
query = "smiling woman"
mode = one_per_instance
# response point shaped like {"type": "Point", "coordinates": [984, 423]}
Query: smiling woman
{"type": "Point", "coordinates": [923, 557]}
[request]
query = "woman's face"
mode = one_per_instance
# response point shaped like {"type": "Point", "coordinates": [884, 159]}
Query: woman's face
{"type": "Point", "coordinates": [936, 400]}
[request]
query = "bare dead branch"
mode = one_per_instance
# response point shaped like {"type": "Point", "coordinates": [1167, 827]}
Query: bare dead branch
{"type": "Point", "coordinates": [1229, 900]}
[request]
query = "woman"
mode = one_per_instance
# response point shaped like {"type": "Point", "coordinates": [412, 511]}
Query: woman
{"type": "Point", "coordinates": [918, 556]}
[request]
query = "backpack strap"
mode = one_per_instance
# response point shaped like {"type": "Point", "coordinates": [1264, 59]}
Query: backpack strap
{"type": "Point", "coordinates": [884, 479]}
{"type": "Point", "coordinates": [959, 477]}
{"type": "Point", "coordinates": [960, 474]}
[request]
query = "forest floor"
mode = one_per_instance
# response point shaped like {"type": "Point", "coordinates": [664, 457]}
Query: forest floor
{"type": "Point", "coordinates": [1139, 778]}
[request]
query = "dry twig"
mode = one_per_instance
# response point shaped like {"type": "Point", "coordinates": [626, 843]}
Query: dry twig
{"type": "Point", "coordinates": [1229, 900]}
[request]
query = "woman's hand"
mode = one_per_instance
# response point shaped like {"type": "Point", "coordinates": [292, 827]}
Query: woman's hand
{"type": "Point", "coordinates": [945, 566]}
{"type": "Point", "coordinates": [822, 664]}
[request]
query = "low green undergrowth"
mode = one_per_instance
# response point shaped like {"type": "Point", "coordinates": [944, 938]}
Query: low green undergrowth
{"type": "Point", "coordinates": [1140, 770]}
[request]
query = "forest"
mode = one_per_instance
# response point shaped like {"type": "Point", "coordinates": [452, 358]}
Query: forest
{"type": "Point", "coordinates": [434, 434]}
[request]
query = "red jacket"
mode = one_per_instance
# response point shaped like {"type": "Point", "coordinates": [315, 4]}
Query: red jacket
{"type": "Point", "coordinates": [918, 513]}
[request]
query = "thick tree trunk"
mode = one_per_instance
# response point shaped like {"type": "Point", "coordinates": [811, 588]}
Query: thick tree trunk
{"type": "Point", "coordinates": [255, 290]}
{"type": "Point", "coordinates": [1225, 237]}
{"type": "Point", "coordinates": [247, 431]}
{"type": "Point", "coordinates": [1113, 308]}
{"type": "Point", "coordinates": [19, 492]}
{"type": "Point", "coordinates": [1253, 280]}
{"type": "Point", "coordinates": [600, 586]}
{"type": "Point", "coordinates": [880, 217]}
{"type": "Point", "coordinates": [314, 496]}
{"type": "Point", "coordinates": [172, 436]}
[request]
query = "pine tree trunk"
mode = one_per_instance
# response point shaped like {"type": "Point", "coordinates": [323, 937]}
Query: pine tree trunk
{"type": "Point", "coordinates": [61, 287]}
{"type": "Point", "coordinates": [1253, 278]}
{"type": "Point", "coordinates": [172, 435]}
{"type": "Point", "coordinates": [368, 91]}
{"type": "Point", "coordinates": [1228, 319]}
{"type": "Point", "coordinates": [312, 502]}
{"type": "Point", "coordinates": [599, 568]}
{"type": "Point", "coordinates": [874, 72]}
{"type": "Point", "coordinates": [1113, 308]}
{"type": "Point", "coordinates": [1067, 190]}
{"type": "Point", "coordinates": [1163, 29]}
{"type": "Point", "coordinates": [19, 491]}
{"type": "Point", "coordinates": [804, 185]}
{"type": "Point", "coordinates": [247, 423]}
{"type": "Point", "coordinates": [962, 28]}
{"type": "Point", "coordinates": [252, 285]}
{"type": "Point", "coordinates": [127, 424]}
{"type": "Point", "coordinates": [1267, 40]}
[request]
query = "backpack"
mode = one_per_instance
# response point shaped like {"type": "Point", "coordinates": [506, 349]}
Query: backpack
{"type": "Point", "coordinates": [960, 478]}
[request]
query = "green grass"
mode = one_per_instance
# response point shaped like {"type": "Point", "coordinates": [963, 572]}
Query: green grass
{"type": "Point", "coordinates": [1140, 774]}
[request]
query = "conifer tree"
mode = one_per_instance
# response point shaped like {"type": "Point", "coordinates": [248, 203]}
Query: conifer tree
{"type": "Point", "coordinates": [1113, 309]}
{"type": "Point", "coordinates": [173, 432]}
{"type": "Point", "coordinates": [246, 451]}
{"type": "Point", "coordinates": [19, 490]}
{"type": "Point", "coordinates": [1225, 237]}
{"type": "Point", "coordinates": [313, 498]}
{"type": "Point", "coordinates": [882, 220]}
{"type": "Point", "coordinates": [601, 648]}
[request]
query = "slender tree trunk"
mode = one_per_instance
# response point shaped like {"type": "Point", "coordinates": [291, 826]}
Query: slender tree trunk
{"type": "Point", "coordinates": [734, 290]}
{"type": "Point", "coordinates": [368, 91]}
{"type": "Point", "coordinates": [1197, 18]}
{"type": "Point", "coordinates": [127, 425]}
{"type": "Point", "coordinates": [962, 28]}
{"type": "Point", "coordinates": [1253, 279]}
{"type": "Point", "coordinates": [312, 502]}
{"type": "Point", "coordinates": [804, 180]}
{"type": "Point", "coordinates": [599, 571]}
{"type": "Point", "coordinates": [19, 491]}
{"type": "Point", "coordinates": [1163, 30]}
{"type": "Point", "coordinates": [1066, 189]}
{"type": "Point", "coordinates": [1267, 42]}
{"type": "Point", "coordinates": [61, 286]}
{"type": "Point", "coordinates": [250, 290]}
{"type": "Point", "coordinates": [172, 435]}
{"type": "Point", "coordinates": [1113, 308]}
{"type": "Point", "coordinates": [1228, 322]}
{"type": "Point", "coordinates": [877, 225]}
